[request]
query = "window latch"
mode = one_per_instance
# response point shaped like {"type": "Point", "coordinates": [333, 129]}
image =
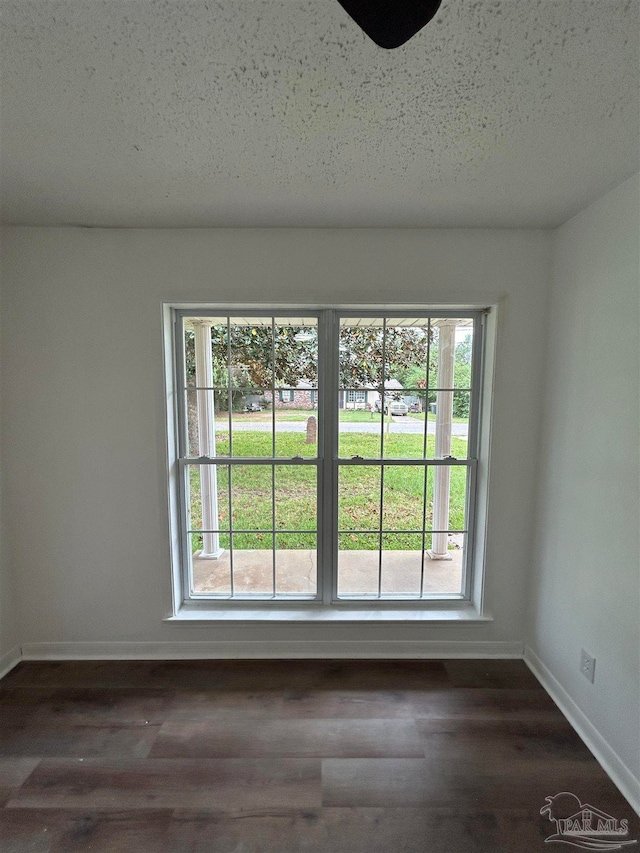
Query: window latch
{"type": "Point", "coordinates": [358, 457]}
{"type": "Point", "coordinates": [454, 458]}
{"type": "Point", "coordinates": [295, 458]}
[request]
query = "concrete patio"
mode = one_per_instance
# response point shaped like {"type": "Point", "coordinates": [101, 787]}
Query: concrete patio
{"type": "Point", "coordinates": [357, 572]}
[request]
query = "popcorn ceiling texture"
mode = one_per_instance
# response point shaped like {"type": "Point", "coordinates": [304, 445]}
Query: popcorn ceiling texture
{"type": "Point", "coordinates": [283, 113]}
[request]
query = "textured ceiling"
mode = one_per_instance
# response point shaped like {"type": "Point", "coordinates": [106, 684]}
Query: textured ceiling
{"type": "Point", "coordinates": [281, 112]}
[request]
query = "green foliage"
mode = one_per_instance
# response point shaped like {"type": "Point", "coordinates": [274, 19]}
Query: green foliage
{"type": "Point", "coordinates": [414, 376]}
{"type": "Point", "coordinates": [464, 350]}
{"type": "Point", "coordinates": [258, 359]}
{"type": "Point", "coordinates": [462, 377]}
{"type": "Point", "coordinates": [367, 357]}
{"type": "Point", "coordinates": [461, 405]}
{"type": "Point", "coordinates": [253, 352]}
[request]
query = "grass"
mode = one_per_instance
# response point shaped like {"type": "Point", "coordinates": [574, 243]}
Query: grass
{"type": "Point", "coordinates": [432, 418]}
{"type": "Point", "coordinates": [358, 416]}
{"type": "Point", "coordinates": [266, 415]}
{"type": "Point", "coordinates": [358, 493]}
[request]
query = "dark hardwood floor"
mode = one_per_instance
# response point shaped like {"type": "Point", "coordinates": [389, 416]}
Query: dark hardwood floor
{"type": "Point", "coordinates": [247, 756]}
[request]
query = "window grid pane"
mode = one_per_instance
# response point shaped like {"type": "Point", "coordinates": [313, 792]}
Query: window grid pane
{"type": "Point", "coordinates": [405, 526]}
{"type": "Point", "coordinates": [243, 512]}
{"type": "Point", "coordinates": [401, 535]}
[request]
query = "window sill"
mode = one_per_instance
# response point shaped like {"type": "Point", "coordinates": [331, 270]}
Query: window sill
{"type": "Point", "coordinates": [466, 615]}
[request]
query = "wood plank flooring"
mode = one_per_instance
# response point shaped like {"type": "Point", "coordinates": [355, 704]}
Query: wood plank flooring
{"type": "Point", "coordinates": [286, 756]}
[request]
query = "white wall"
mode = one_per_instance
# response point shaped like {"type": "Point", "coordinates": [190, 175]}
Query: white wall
{"type": "Point", "coordinates": [585, 584]}
{"type": "Point", "coordinates": [84, 444]}
{"type": "Point", "coordinates": [8, 615]}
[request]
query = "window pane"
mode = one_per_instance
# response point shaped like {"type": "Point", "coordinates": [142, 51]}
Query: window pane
{"type": "Point", "coordinates": [209, 575]}
{"type": "Point", "coordinates": [296, 497]}
{"type": "Point", "coordinates": [403, 497]}
{"type": "Point", "coordinates": [296, 564]}
{"type": "Point", "coordinates": [403, 437]}
{"type": "Point", "coordinates": [460, 425]}
{"type": "Point", "coordinates": [448, 422]}
{"type": "Point", "coordinates": [406, 351]}
{"type": "Point", "coordinates": [250, 356]}
{"type": "Point", "coordinates": [360, 426]}
{"type": "Point", "coordinates": [253, 563]}
{"type": "Point", "coordinates": [210, 482]}
{"type": "Point", "coordinates": [207, 422]}
{"type": "Point", "coordinates": [359, 497]}
{"type": "Point", "coordinates": [407, 348]}
{"type": "Point", "coordinates": [251, 432]}
{"type": "Point", "coordinates": [208, 415]}
{"type": "Point", "coordinates": [450, 360]}
{"type": "Point", "coordinates": [295, 388]}
{"type": "Point", "coordinates": [444, 576]}
{"type": "Point", "coordinates": [463, 356]}
{"type": "Point", "coordinates": [211, 332]}
{"type": "Point", "coordinates": [296, 425]}
{"type": "Point", "coordinates": [360, 352]}
{"type": "Point", "coordinates": [446, 497]}
{"type": "Point", "coordinates": [358, 561]}
{"type": "Point", "coordinates": [401, 564]}
{"type": "Point", "coordinates": [251, 490]}
{"type": "Point", "coordinates": [296, 352]}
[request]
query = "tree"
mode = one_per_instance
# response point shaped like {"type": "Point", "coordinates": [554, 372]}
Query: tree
{"type": "Point", "coordinates": [414, 376]}
{"type": "Point", "coordinates": [464, 350]}
{"type": "Point", "coordinates": [462, 377]}
{"type": "Point", "coordinates": [293, 350]}
{"type": "Point", "coordinates": [253, 352]}
{"type": "Point", "coordinates": [365, 349]}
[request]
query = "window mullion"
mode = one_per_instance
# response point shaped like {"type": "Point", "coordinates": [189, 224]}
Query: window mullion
{"type": "Point", "coordinates": [328, 451]}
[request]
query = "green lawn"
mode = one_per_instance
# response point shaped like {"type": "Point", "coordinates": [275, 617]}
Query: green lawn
{"type": "Point", "coordinates": [295, 493]}
{"type": "Point", "coordinates": [266, 415]}
{"type": "Point", "coordinates": [432, 418]}
{"type": "Point", "coordinates": [348, 416]}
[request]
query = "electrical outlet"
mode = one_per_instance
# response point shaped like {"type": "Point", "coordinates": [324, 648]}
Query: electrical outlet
{"type": "Point", "coordinates": [587, 665]}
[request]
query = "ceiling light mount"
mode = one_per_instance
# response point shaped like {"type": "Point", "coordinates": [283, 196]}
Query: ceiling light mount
{"type": "Point", "coordinates": [391, 23]}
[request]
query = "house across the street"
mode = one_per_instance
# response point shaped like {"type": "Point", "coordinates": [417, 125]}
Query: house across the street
{"type": "Point", "coordinates": [367, 396]}
{"type": "Point", "coordinates": [303, 396]}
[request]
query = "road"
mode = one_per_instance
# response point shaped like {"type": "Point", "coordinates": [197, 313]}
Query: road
{"type": "Point", "coordinates": [400, 426]}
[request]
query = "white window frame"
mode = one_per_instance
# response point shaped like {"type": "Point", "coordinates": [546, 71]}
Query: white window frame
{"type": "Point", "coordinates": [184, 606]}
{"type": "Point", "coordinates": [290, 395]}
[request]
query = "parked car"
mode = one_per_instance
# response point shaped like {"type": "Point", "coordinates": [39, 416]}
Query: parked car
{"type": "Point", "coordinates": [396, 407]}
{"type": "Point", "coordinates": [253, 407]}
{"type": "Point", "coordinates": [392, 407]}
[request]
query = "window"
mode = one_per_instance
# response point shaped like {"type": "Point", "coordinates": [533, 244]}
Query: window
{"type": "Point", "coordinates": [338, 504]}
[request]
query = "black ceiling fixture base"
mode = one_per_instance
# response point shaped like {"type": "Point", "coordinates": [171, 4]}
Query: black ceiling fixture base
{"type": "Point", "coordinates": [390, 23]}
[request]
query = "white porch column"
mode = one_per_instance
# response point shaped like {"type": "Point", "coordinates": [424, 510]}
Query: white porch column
{"type": "Point", "coordinates": [211, 549]}
{"type": "Point", "coordinates": [444, 418]}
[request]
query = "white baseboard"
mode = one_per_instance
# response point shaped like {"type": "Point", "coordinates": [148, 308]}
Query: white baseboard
{"type": "Point", "coordinates": [613, 765]}
{"type": "Point", "coordinates": [236, 650]}
{"type": "Point", "coordinates": [9, 660]}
